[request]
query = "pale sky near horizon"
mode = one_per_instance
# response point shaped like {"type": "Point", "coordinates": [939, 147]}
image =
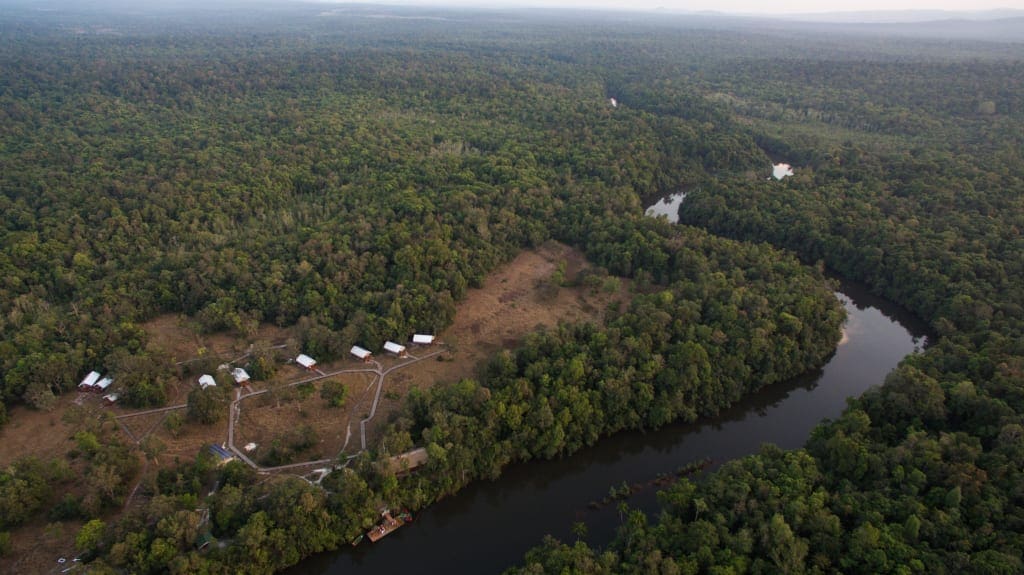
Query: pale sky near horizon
{"type": "Point", "coordinates": [738, 6]}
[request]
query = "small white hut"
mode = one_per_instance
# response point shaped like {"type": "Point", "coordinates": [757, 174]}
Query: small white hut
{"type": "Point", "coordinates": [422, 339]}
{"type": "Point", "coordinates": [240, 375]}
{"type": "Point", "coordinates": [305, 361]}
{"type": "Point", "coordinates": [206, 380]}
{"type": "Point", "coordinates": [392, 347]}
{"type": "Point", "coordinates": [361, 353]}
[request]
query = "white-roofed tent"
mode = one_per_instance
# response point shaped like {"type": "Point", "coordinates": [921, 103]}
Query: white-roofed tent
{"type": "Point", "coordinates": [110, 398]}
{"type": "Point", "coordinates": [394, 348]}
{"type": "Point", "coordinates": [361, 353]}
{"type": "Point", "coordinates": [90, 381]}
{"type": "Point", "coordinates": [422, 339]}
{"type": "Point", "coordinates": [206, 380]}
{"type": "Point", "coordinates": [305, 361]}
{"type": "Point", "coordinates": [104, 383]}
{"type": "Point", "coordinates": [240, 375]}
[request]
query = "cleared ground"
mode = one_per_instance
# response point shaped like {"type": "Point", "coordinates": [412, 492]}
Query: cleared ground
{"type": "Point", "coordinates": [514, 301]}
{"type": "Point", "coordinates": [527, 293]}
{"type": "Point", "coordinates": [179, 337]}
{"type": "Point", "coordinates": [281, 416]}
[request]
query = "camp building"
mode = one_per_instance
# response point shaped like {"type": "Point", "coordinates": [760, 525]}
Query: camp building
{"type": "Point", "coordinates": [392, 347]}
{"type": "Point", "coordinates": [305, 361]}
{"type": "Point", "coordinates": [206, 380]}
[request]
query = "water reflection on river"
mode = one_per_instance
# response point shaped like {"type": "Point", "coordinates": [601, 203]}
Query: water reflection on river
{"type": "Point", "coordinates": [667, 206]}
{"type": "Point", "coordinates": [488, 526]}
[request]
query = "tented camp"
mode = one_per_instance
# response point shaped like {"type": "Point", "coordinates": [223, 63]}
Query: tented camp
{"type": "Point", "coordinates": [361, 353]}
{"type": "Point", "coordinates": [206, 380]}
{"type": "Point", "coordinates": [240, 375]}
{"type": "Point", "coordinates": [392, 347]}
{"type": "Point", "coordinates": [103, 384]}
{"type": "Point", "coordinates": [89, 383]}
{"type": "Point", "coordinates": [305, 361]}
{"type": "Point", "coordinates": [422, 339]}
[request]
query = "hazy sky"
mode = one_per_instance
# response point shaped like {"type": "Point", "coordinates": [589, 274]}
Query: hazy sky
{"type": "Point", "coordinates": [746, 6]}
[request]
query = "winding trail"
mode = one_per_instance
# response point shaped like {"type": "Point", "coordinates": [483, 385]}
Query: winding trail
{"type": "Point", "coordinates": [235, 410]}
{"type": "Point", "coordinates": [380, 387]}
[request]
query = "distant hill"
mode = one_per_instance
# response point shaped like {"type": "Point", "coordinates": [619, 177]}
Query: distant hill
{"type": "Point", "coordinates": [960, 28]}
{"type": "Point", "coordinates": [1004, 25]}
{"type": "Point", "coordinates": [906, 16]}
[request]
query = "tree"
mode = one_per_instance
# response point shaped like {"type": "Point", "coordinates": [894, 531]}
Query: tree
{"type": "Point", "coordinates": [333, 392]}
{"type": "Point", "coordinates": [90, 537]}
{"type": "Point", "coordinates": [208, 406]}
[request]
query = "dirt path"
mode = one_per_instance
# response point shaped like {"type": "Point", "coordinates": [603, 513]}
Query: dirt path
{"type": "Point", "coordinates": [235, 409]}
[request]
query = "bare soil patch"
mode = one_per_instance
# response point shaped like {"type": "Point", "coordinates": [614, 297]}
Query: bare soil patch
{"type": "Point", "coordinates": [36, 546]}
{"type": "Point", "coordinates": [178, 336]}
{"type": "Point", "coordinates": [182, 443]}
{"type": "Point", "coordinates": [281, 416]}
{"type": "Point", "coordinates": [514, 301]}
{"type": "Point", "coordinates": [42, 434]}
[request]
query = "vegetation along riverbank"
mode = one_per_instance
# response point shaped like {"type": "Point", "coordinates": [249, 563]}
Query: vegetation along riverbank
{"type": "Point", "coordinates": [186, 200]}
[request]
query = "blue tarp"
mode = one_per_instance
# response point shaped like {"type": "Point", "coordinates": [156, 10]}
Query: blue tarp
{"type": "Point", "coordinates": [221, 452]}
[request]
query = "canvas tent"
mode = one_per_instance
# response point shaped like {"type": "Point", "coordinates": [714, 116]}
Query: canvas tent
{"type": "Point", "coordinates": [394, 348]}
{"type": "Point", "coordinates": [305, 361]}
{"type": "Point", "coordinates": [89, 381]}
{"type": "Point", "coordinates": [240, 375]}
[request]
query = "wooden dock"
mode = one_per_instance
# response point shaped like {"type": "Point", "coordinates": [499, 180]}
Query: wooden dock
{"type": "Point", "coordinates": [387, 525]}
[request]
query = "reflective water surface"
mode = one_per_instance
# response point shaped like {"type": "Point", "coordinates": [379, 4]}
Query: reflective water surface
{"type": "Point", "coordinates": [490, 525]}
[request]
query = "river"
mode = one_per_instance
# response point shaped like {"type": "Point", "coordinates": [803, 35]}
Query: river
{"type": "Point", "coordinates": [488, 526]}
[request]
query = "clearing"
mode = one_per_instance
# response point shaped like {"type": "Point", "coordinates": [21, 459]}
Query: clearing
{"type": "Point", "coordinates": [515, 300]}
{"type": "Point", "coordinates": [539, 288]}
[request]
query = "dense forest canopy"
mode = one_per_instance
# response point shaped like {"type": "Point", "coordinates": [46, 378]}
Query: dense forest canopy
{"type": "Point", "coordinates": [353, 171]}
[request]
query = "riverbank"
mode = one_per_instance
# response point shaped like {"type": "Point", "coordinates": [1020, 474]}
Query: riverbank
{"type": "Point", "coordinates": [496, 522]}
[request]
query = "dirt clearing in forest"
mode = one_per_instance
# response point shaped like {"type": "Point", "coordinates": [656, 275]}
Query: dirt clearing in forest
{"type": "Point", "coordinates": [539, 288]}
{"type": "Point", "coordinates": [179, 337]}
{"type": "Point", "coordinates": [302, 422]}
{"type": "Point", "coordinates": [515, 300]}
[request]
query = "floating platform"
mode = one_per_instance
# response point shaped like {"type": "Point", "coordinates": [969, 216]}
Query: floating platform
{"type": "Point", "coordinates": [387, 525]}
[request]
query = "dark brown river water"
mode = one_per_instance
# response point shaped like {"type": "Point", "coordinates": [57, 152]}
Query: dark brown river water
{"type": "Point", "coordinates": [490, 525]}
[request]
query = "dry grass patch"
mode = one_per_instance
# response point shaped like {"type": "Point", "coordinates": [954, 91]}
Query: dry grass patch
{"type": "Point", "coordinates": [515, 300]}
{"type": "Point", "coordinates": [179, 337]}
{"type": "Point", "coordinates": [298, 424]}
{"type": "Point", "coordinates": [42, 434]}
